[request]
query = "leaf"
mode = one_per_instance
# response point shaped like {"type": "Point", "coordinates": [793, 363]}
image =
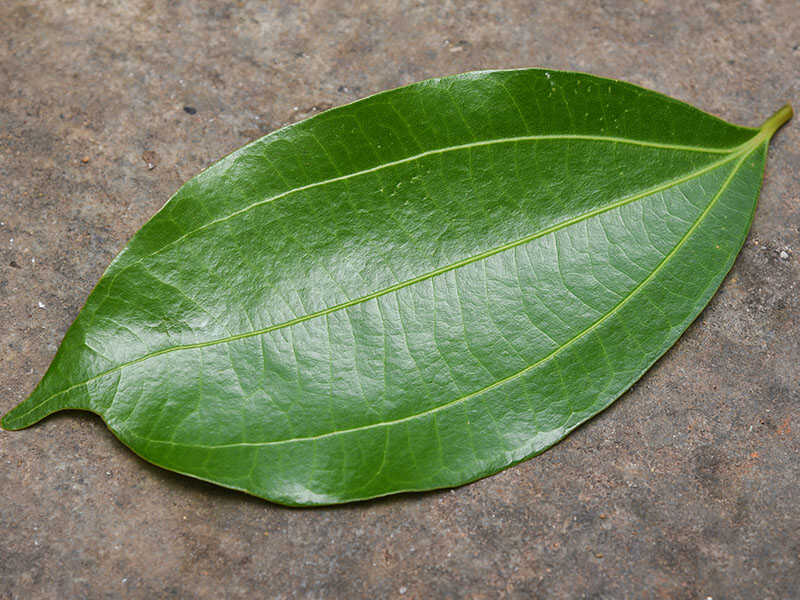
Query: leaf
{"type": "Point", "coordinates": [412, 291]}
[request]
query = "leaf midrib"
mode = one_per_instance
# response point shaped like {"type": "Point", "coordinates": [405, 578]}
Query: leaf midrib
{"type": "Point", "coordinates": [731, 154]}
{"type": "Point", "coordinates": [500, 382]}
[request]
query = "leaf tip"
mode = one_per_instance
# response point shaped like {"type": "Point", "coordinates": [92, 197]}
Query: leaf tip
{"type": "Point", "coordinates": [6, 423]}
{"type": "Point", "coordinates": [17, 419]}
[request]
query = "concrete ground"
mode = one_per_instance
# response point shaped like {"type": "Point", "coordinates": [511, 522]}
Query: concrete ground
{"type": "Point", "coordinates": [687, 488]}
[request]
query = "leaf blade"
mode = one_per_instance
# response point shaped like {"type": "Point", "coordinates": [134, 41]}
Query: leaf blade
{"type": "Point", "coordinates": [402, 359]}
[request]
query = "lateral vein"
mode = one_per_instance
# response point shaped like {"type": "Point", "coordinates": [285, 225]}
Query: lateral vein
{"type": "Point", "coordinates": [435, 151]}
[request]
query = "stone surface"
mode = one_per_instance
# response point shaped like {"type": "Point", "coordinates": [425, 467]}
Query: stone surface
{"type": "Point", "coordinates": [686, 488]}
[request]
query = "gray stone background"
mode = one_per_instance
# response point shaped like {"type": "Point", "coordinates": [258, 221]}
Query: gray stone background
{"type": "Point", "coordinates": [686, 488]}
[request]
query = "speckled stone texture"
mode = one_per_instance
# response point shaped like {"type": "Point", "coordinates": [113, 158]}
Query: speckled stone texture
{"type": "Point", "coordinates": [686, 488]}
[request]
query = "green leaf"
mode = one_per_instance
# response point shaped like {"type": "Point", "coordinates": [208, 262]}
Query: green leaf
{"type": "Point", "coordinates": [412, 291]}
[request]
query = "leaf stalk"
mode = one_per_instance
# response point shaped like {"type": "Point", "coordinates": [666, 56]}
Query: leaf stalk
{"type": "Point", "coordinates": [776, 121]}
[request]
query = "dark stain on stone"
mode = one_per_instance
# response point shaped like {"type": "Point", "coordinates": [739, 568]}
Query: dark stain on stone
{"type": "Point", "coordinates": [150, 158]}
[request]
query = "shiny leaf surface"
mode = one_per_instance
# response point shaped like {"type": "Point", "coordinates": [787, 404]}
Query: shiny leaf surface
{"type": "Point", "coordinates": [412, 291]}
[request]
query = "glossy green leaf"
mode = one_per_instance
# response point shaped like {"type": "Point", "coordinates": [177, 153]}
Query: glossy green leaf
{"type": "Point", "coordinates": [412, 291]}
